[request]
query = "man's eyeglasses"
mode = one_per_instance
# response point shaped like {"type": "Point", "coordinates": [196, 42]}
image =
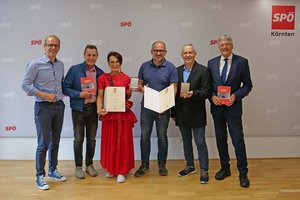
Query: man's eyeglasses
{"type": "Point", "coordinates": [158, 51]}
{"type": "Point", "coordinates": [52, 45]}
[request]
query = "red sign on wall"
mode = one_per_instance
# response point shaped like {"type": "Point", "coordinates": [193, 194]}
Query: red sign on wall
{"type": "Point", "coordinates": [10, 128]}
{"type": "Point", "coordinates": [283, 17]}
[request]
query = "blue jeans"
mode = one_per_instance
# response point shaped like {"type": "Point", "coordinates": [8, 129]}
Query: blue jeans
{"type": "Point", "coordinates": [162, 123]}
{"type": "Point", "coordinates": [199, 137]}
{"type": "Point", "coordinates": [48, 119]}
{"type": "Point", "coordinates": [87, 121]}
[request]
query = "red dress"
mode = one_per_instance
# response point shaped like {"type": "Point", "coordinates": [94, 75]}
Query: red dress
{"type": "Point", "coordinates": [117, 155]}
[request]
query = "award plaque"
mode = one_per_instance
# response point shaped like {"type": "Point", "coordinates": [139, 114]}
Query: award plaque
{"type": "Point", "coordinates": [134, 81]}
{"type": "Point", "coordinates": [184, 88]}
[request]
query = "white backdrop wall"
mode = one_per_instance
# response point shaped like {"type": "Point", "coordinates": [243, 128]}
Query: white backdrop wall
{"type": "Point", "coordinates": [271, 112]}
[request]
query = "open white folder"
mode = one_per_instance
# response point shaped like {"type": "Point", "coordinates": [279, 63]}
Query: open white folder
{"type": "Point", "coordinates": [159, 101]}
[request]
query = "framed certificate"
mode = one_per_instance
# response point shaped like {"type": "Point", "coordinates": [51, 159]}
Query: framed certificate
{"type": "Point", "coordinates": [184, 88]}
{"type": "Point", "coordinates": [114, 99]}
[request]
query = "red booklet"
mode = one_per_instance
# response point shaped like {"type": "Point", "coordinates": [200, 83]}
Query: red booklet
{"type": "Point", "coordinates": [88, 84]}
{"type": "Point", "coordinates": [224, 94]}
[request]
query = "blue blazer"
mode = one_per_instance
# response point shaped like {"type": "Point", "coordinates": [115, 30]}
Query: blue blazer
{"type": "Point", "coordinates": [238, 78]}
{"type": "Point", "coordinates": [72, 86]}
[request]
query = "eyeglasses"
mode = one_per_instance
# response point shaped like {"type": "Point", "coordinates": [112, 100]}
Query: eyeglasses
{"type": "Point", "coordinates": [52, 45]}
{"type": "Point", "coordinates": [158, 51]}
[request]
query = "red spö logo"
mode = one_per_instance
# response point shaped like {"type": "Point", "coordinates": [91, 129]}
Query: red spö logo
{"type": "Point", "coordinates": [10, 128]}
{"type": "Point", "coordinates": [213, 42]}
{"type": "Point", "coordinates": [283, 17]}
{"type": "Point", "coordinates": [36, 42]}
{"type": "Point", "coordinates": [124, 24]}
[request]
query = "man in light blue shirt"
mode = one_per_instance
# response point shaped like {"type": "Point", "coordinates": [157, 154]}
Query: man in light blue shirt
{"type": "Point", "coordinates": [43, 79]}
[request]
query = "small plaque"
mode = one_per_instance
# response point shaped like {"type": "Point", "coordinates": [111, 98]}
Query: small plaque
{"type": "Point", "coordinates": [134, 81]}
{"type": "Point", "coordinates": [184, 88]}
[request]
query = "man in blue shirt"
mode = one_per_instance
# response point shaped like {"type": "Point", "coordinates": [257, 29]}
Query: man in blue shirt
{"type": "Point", "coordinates": [80, 84]}
{"type": "Point", "coordinates": [43, 79]}
{"type": "Point", "coordinates": [157, 73]}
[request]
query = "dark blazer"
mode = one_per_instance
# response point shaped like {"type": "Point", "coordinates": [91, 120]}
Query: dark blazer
{"type": "Point", "coordinates": [238, 78]}
{"type": "Point", "coordinates": [191, 112]}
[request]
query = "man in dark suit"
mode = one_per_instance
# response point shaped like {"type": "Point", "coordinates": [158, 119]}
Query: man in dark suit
{"type": "Point", "coordinates": [189, 111]}
{"type": "Point", "coordinates": [231, 70]}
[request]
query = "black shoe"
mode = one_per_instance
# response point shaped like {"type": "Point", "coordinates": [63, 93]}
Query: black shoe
{"type": "Point", "coordinates": [204, 177]}
{"type": "Point", "coordinates": [144, 168]}
{"type": "Point", "coordinates": [187, 171]}
{"type": "Point", "coordinates": [244, 181]}
{"type": "Point", "coordinates": [222, 174]}
{"type": "Point", "coordinates": [162, 169]}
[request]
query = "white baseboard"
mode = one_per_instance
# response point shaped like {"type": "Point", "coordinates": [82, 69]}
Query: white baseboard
{"type": "Point", "coordinates": [257, 147]}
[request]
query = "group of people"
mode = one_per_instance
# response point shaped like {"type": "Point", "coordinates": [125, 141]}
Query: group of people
{"type": "Point", "coordinates": [44, 79]}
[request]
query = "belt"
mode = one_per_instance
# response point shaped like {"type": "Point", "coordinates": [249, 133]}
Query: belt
{"type": "Point", "coordinates": [50, 103]}
{"type": "Point", "coordinates": [89, 104]}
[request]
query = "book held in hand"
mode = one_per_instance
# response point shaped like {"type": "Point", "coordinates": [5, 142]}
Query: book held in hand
{"type": "Point", "coordinates": [224, 94]}
{"type": "Point", "coordinates": [88, 84]}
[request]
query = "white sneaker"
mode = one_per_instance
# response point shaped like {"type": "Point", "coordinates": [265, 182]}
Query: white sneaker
{"type": "Point", "coordinates": [41, 183]}
{"type": "Point", "coordinates": [55, 175]}
{"type": "Point", "coordinates": [108, 175]}
{"type": "Point", "coordinates": [121, 178]}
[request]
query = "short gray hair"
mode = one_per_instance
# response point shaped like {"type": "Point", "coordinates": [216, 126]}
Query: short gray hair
{"type": "Point", "coordinates": [158, 41]}
{"type": "Point", "coordinates": [51, 36]}
{"type": "Point", "coordinates": [188, 45]}
{"type": "Point", "coordinates": [225, 37]}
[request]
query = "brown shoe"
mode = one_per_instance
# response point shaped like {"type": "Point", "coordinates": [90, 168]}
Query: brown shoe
{"type": "Point", "coordinates": [91, 170]}
{"type": "Point", "coordinates": [162, 169]}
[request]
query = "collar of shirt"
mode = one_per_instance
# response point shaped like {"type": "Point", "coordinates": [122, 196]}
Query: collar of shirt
{"type": "Point", "coordinates": [46, 59]}
{"type": "Point", "coordinates": [229, 58]}
{"type": "Point", "coordinates": [161, 65]}
{"type": "Point", "coordinates": [186, 69]}
{"type": "Point", "coordinates": [90, 70]}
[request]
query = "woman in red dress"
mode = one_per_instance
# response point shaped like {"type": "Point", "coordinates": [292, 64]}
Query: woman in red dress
{"type": "Point", "coordinates": [117, 155]}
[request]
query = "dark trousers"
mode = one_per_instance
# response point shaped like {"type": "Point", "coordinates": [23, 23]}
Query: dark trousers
{"type": "Point", "coordinates": [48, 119]}
{"type": "Point", "coordinates": [237, 136]}
{"type": "Point", "coordinates": [85, 122]}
